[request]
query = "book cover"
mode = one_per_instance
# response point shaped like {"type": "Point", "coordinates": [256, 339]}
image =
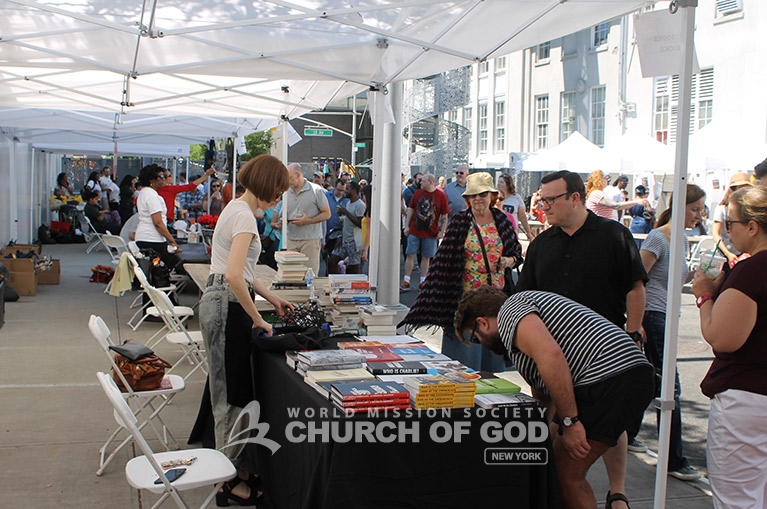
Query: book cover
{"type": "Point", "coordinates": [321, 387]}
{"type": "Point", "coordinates": [376, 310]}
{"type": "Point", "coordinates": [322, 357]}
{"type": "Point", "coordinates": [338, 374]}
{"type": "Point", "coordinates": [378, 354]}
{"type": "Point", "coordinates": [496, 386]}
{"type": "Point", "coordinates": [424, 357]}
{"type": "Point", "coordinates": [504, 400]}
{"type": "Point", "coordinates": [369, 389]}
{"type": "Point", "coordinates": [328, 367]}
{"type": "Point", "coordinates": [397, 368]}
{"type": "Point", "coordinates": [358, 410]}
{"type": "Point", "coordinates": [357, 345]}
{"type": "Point", "coordinates": [367, 403]}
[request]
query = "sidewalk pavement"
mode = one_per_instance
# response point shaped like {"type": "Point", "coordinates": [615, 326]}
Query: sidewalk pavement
{"type": "Point", "coordinates": [55, 416]}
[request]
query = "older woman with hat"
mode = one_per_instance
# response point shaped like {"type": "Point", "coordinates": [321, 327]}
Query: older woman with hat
{"type": "Point", "coordinates": [721, 236]}
{"type": "Point", "coordinates": [479, 244]}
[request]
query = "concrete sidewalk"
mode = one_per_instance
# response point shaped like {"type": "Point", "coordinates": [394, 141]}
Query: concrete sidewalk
{"type": "Point", "coordinates": [55, 416]}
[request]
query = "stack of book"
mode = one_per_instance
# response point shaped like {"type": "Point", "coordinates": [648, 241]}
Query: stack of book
{"type": "Point", "coordinates": [366, 395]}
{"type": "Point", "coordinates": [320, 368]}
{"type": "Point", "coordinates": [496, 385]}
{"type": "Point", "coordinates": [451, 390]}
{"type": "Point", "coordinates": [346, 292]}
{"type": "Point", "coordinates": [504, 400]}
{"type": "Point", "coordinates": [291, 266]}
{"type": "Point", "coordinates": [378, 320]}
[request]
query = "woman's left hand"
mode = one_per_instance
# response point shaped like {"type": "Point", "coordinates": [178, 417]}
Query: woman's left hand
{"type": "Point", "coordinates": [507, 262]}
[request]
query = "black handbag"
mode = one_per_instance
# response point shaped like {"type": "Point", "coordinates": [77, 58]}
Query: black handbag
{"type": "Point", "coordinates": [290, 338]}
{"type": "Point", "coordinates": [131, 350]}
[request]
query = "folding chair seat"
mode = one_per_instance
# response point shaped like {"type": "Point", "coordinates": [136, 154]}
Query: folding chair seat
{"type": "Point", "coordinates": [210, 467]}
{"type": "Point", "coordinates": [190, 342]}
{"type": "Point", "coordinates": [96, 244]}
{"type": "Point", "coordinates": [148, 404]}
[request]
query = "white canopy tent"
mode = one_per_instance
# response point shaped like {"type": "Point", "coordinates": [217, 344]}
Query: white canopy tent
{"type": "Point", "coordinates": [641, 154]}
{"type": "Point", "coordinates": [575, 154]}
{"type": "Point", "coordinates": [215, 58]}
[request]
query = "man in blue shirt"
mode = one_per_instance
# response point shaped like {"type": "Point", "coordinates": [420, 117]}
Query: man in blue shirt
{"type": "Point", "coordinates": [454, 192]}
{"type": "Point", "coordinates": [410, 190]}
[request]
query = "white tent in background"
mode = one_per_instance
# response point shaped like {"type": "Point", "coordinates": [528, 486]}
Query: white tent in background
{"type": "Point", "coordinates": [718, 147]}
{"type": "Point", "coordinates": [641, 154]}
{"type": "Point", "coordinates": [575, 154]}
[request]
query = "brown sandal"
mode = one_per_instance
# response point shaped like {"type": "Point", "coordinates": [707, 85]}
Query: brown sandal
{"type": "Point", "coordinates": [612, 497]}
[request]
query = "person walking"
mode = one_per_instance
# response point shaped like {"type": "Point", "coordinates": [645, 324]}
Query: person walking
{"type": "Point", "coordinates": [480, 231]}
{"type": "Point", "coordinates": [454, 191]}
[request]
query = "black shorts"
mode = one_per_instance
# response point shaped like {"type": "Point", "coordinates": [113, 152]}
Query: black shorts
{"type": "Point", "coordinates": [607, 408]}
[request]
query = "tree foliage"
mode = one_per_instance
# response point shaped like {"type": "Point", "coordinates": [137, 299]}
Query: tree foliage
{"type": "Point", "coordinates": [256, 143]}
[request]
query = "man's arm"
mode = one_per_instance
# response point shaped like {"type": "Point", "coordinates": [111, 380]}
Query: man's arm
{"type": "Point", "coordinates": [534, 339]}
{"type": "Point", "coordinates": [204, 177]}
{"type": "Point", "coordinates": [635, 306]}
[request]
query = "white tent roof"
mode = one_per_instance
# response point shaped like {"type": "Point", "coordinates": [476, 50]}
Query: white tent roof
{"type": "Point", "coordinates": [639, 153]}
{"type": "Point", "coordinates": [576, 154]}
{"type": "Point", "coordinates": [233, 58]}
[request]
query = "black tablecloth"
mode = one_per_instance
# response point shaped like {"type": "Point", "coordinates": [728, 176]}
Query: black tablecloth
{"type": "Point", "coordinates": [193, 253]}
{"type": "Point", "coordinates": [386, 475]}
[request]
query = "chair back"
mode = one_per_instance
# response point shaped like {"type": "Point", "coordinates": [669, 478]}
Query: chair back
{"type": "Point", "coordinates": [166, 309]}
{"type": "Point", "coordinates": [116, 246]}
{"type": "Point", "coordinates": [133, 248]}
{"type": "Point", "coordinates": [139, 273]}
{"type": "Point", "coordinates": [101, 333]}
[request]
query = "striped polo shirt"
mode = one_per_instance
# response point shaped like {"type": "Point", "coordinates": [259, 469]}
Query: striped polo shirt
{"type": "Point", "coordinates": [595, 349]}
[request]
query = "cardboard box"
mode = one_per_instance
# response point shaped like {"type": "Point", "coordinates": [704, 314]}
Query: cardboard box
{"type": "Point", "coordinates": [23, 276]}
{"type": "Point", "coordinates": [51, 276]}
{"type": "Point", "coordinates": [24, 248]}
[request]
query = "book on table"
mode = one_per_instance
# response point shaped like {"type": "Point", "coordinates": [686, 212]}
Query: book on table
{"type": "Point", "coordinates": [328, 367]}
{"type": "Point", "coordinates": [290, 257]}
{"type": "Point", "coordinates": [377, 354]}
{"type": "Point", "coordinates": [372, 408]}
{"type": "Point", "coordinates": [366, 390]}
{"type": "Point", "coordinates": [397, 368]}
{"type": "Point", "coordinates": [320, 357]}
{"type": "Point", "coordinates": [339, 374]}
{"type": "Point", "coordinates": [496, 385]}
{"type": "Point", "coordinates": [381, 330]}
{"type": "Point", "coordinates": [504, 400]}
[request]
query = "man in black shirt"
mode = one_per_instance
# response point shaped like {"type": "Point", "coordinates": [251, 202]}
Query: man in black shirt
{"type": "Point", "coordinates": [593, 261]}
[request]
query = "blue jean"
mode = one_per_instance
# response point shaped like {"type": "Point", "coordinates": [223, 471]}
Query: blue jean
{"type": "Point", "coordinates": [654, 324]}
{"type": "Point", "coordinates": [216, 305]}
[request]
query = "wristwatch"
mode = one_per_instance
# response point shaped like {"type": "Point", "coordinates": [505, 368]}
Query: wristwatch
{"type": "Point", "coordinates": [702, 299]}
{"type": "Point", "coordinates": [569, 421]}
{"type": "Point", "coordinates": [636, 336]}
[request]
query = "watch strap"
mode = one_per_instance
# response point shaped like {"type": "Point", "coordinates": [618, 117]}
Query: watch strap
{"type": "Point", "coordinates": [702, 299]}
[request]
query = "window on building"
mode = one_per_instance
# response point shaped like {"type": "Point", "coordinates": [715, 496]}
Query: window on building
{"type": "Point", "coordinates": [568, 116]}
{"type": "Point", "coordinates": [467, 117]}
{"type": "Point", "coordinates": [482, 118]}
{"type": "Point", "coordinates": [500, 64]}
{"type": "Point", "coordinates": [598, 103]}
{"type": "Point", "coordinates": [599, 37]}
{"type": "Point", "coordinates": [452, 116]}
{"type": "Point", "coordinates": [484, 67]}
{"type": "Point", "coordinates": [728, 7]}
{"type": "Point", "coordinates": [666, 102]}
{"type": "Point", "coordinates": [541, 122]}
{"type": "Point", "coordinates": [500, 126]}
{"type": "Point", "coordinates": [543, 54]}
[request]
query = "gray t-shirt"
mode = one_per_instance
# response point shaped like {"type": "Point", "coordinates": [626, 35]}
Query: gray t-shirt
{"type": "Point", "coordinates": [656, 288]}
{"type": "Point", "coordinates": [356, 209]}
{"type": "Point", "coordinates": [720, 215]}
{"type": "Point", "coordinates": [309, 200]}
{"type": "Point", "coordinates": [236, 218]}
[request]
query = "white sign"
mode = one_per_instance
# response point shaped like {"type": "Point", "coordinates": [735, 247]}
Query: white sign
{"type": "Point", "coordinates": [660, 35]}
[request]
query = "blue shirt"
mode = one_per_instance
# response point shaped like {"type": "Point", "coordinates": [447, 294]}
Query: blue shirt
{"type": "Point", "coordinates": [455, 200]}
{"type": "Point", "coordinates": [334, 222]}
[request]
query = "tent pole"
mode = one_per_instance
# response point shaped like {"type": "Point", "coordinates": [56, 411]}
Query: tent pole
{"type": "Point", "coordinates": [674, 295]}
{"type": "Point", "coordinates": [353, 157]}
{"type": "Point", "coordinates": [284, 154]}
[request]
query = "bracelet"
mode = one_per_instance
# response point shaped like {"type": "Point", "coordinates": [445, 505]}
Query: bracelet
{"type": "Point", "coordinates": [178, 462]}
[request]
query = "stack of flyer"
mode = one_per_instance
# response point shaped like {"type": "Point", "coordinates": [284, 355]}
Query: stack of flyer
{"type": "Point", "coordinates": [451, 390]}
{"type": "Point", "coordinates": [346, 292]}
{"type": "Point", "coordinates": [378, 320]}
{"type": "Point", "coordinates": [368, 395]}
{"type": "Point", "coordinates": [291, 266]}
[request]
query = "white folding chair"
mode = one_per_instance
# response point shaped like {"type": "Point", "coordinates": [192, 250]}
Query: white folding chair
{"type": "Point", "coordinates": [96, 244]}
{"type": "Point", "coordinates": [704, 247]}
{"type": "Point", "coordinates": [147, 402]}
{"type": "Point", "coordinates": [190, 342]}
{"type": "Point", "coordinates": [145, 309]}
{"type": "Point", "coordinates": [209, 468]}
{"type": "Point", "coordinates": [115, 247]}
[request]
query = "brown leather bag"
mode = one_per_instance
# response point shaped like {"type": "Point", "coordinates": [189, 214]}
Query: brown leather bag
{"type": "Point", "coordinates": [144, 374]}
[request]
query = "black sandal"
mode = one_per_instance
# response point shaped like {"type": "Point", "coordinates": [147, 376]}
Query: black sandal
{"type": "Point", "coordinates": [225, 496]}
{"type": "Point", "coordinates": [612, 497]}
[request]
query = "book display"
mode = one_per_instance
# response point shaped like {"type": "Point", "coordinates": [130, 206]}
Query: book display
{"type": "Point", "coordinates": [365, 395]}
{"type": "Point", "coordinates": [291, 266]}
{"type": "Point", "coordinates": [345, 293]}
{"type": "Point", "coordinates": [378, 320]}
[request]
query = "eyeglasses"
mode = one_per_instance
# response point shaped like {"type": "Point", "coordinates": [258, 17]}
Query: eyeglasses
{"type": "Point", "coordinates": [473, 338]}
{"type": "Point", "coordinates": [549, 201]}
{"type": "Point", "coordinates": [728, 223]}
{"type": "Point", "coordinates": [481, 195]}
{"type": "Point", "coordinates": [460, 173]}
{"type": "Point", "coordinates": [215, 186]}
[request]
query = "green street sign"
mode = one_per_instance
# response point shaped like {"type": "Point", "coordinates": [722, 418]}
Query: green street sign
{"type": "Point", "coordinates": [313, 131]}
{"type": "Point", "coordinates": [360, 145]}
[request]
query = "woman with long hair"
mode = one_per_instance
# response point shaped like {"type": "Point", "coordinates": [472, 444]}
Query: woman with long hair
{"type": "Point", "coordinates": [514, 204]}
{"type": "Point", "coordinates": [656, 255]}
{"type": "Point", "coordinates": [733, 320]}
{"type": "Point", "coordinates": [228, 313]}
{"type": "Point", "coordinates": [479, 244]}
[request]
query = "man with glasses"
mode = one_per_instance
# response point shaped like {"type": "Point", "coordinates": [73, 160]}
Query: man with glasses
{"type": "Point", "coordinates": [454, 191]}
{"type": "Point", "coordinates": [586, 371]}
{"type": "Point", "coordinates": [595, 262]}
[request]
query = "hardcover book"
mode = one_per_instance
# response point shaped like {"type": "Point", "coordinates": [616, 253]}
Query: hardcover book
{"type": "Point", "coordinates": [338, 374]}
{"type": "Point", "coordinates": [369, 389]}
{"type": "Point", "coordinates": [496, 386]}
{"type": "Point", "coordinates": [324, 357]}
